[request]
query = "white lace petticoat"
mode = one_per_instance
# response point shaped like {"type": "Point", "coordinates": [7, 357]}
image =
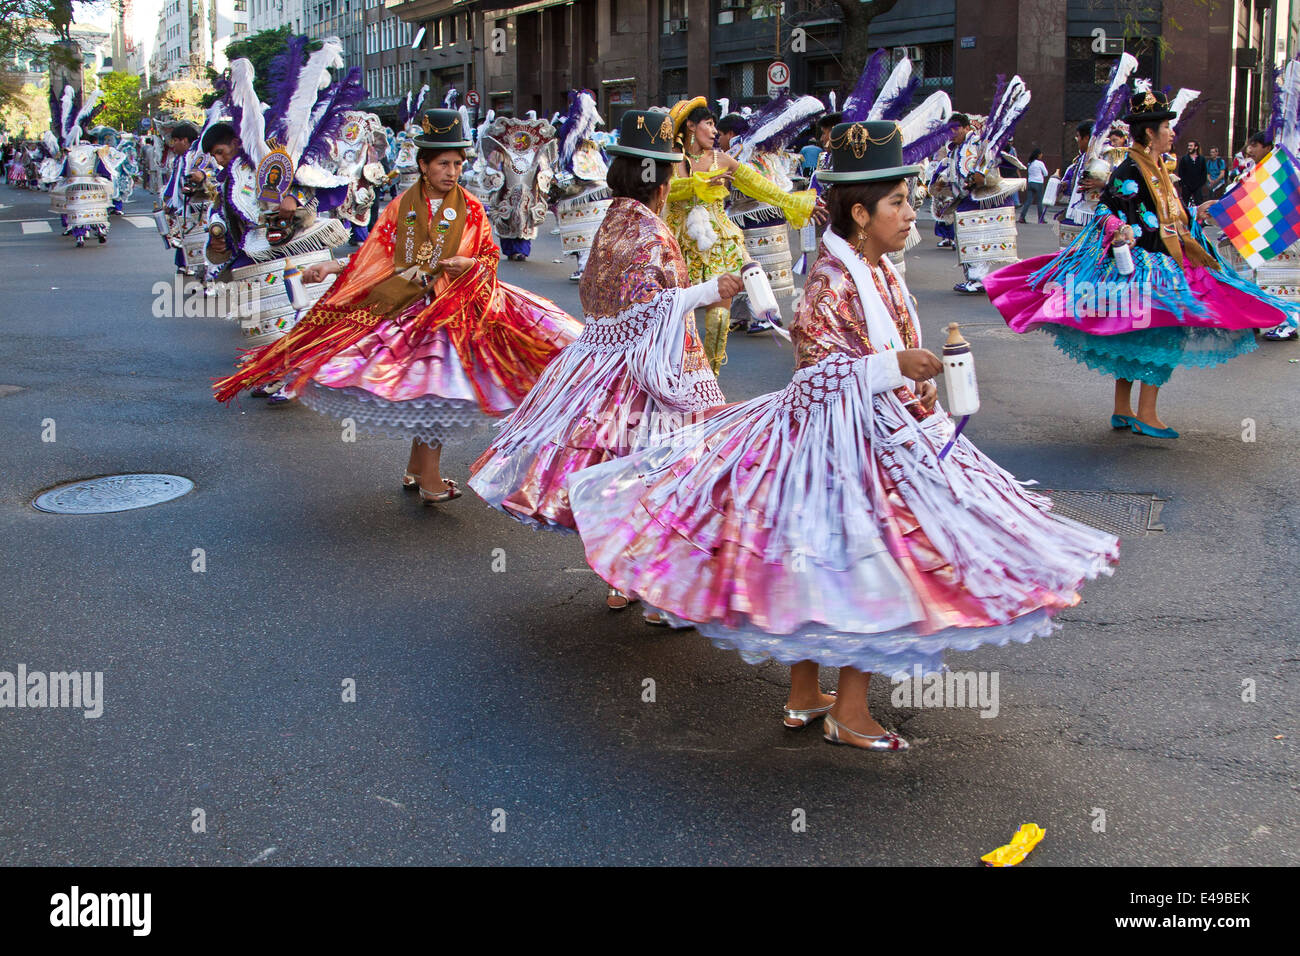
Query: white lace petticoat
{"type": "Point", "coordinates": [434, 421]}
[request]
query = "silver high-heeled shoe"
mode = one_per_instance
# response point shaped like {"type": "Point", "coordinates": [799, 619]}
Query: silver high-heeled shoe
{"type": "Point", "coordinates": [805, 717]}
{"type": "Point", "coordinates": [886, 741]}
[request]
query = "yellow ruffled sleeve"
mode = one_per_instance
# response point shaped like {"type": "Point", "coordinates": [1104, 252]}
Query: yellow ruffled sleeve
{"type": "Point", "coordinates": [797, 206]}
{"type": "Point", "coordinates": [680, 189]}
{"type": "Point", "coordinates": [696, 185]}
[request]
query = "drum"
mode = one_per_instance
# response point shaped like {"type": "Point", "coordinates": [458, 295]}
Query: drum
{"type": "Point", "coordinates": [579, 222]}
{"type": "Point", "coordinates": [770, 248]}
{"type": "Point", "coordinates": [1229, 254]}
{"type": "Point", "coordinates": [899, 259]}
{"type": "Point", "coordinates": [986, 235]}
{"type": "Point", "coordinates": [86, 214]}
{"type": "Point", "coordinates": [1067, 232]}
{"type": "Point", "coordinates": [1280, 276]}
{"type": "Point", "coordinates": [259, 289]}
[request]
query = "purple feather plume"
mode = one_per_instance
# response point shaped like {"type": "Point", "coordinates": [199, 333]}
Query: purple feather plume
{"type": "Point", "coordinates": [995, 110]}
{"type": "Point", "coordinates": [569, 127]}
{"type": "Point", "coordinates": [281, 81]}
{"type": "Point", "coordinates": [1275, 117]}
{"type": "Point", "coordinates": [1110, 110]}
{"type": "Point", "coordinates": [1190, 110]}
{"type": "Point", "coordinates": [343, 96]}
{"type": "Point", "coordinates": [224, 88]}
{"type": "Point", "coordinates": [897, 107]}
{"type": "Point", "coordinates": [869, 84]}
{"type": "Point", "coordinates": [926, 146]}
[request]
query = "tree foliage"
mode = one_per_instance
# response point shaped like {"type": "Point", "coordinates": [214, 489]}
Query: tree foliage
{"type": "Point", "coordinates": [25, 112]}
{"type": "Point", "coordinates": [21, 24]}
{"type": "Point", "coordinates": [260, 49]}
{"type": "Point", "coordinates": [121, 101]}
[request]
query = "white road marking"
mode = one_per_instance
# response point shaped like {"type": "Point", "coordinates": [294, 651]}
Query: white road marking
{"type": "Point", "coordinates": [39, 225]}
{"type": "Point", "coordinates": [142, 222]}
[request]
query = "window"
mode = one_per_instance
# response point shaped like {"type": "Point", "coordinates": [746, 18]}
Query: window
{"type": "Point", "coordinates": [936, 65]}
{"type": "Point", "coordinates": [762, 9]}
{"type": "Point", "coordinates": [435, 39]}
{"type": "Point", "coordinates": [451, 29]}
{"type": "Point", "coordinates": [241, 6]}
{"type": "Point", "coordinates": [620, 16]}
{"type": "Point", "coordinates": [239, 28]}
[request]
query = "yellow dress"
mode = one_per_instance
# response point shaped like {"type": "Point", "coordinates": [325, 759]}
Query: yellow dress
{"type": "Point", "coordinates": [727, 253]}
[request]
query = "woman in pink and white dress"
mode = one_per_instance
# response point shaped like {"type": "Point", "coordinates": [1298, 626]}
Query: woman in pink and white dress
{"type": "Point", "coordinates": [638, 371]}
{"type": "Point", "coordinates": [818, 525]}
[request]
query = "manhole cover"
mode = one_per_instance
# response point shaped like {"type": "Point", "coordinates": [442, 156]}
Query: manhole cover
{"type": "Point", "coordinates": [96, 496]}
{"type": "Point", "coordinates": [1120, 513]}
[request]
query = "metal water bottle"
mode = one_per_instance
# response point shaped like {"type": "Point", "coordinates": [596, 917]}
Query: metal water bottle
{"type": "Point", "coordinates": [294, 288]}
{"type": "Point", "coordinates": [160, 220]}
{"type": "Point", "coordinates": [762, 301]}
{"type": "Point", "coordinates": [959, 373]}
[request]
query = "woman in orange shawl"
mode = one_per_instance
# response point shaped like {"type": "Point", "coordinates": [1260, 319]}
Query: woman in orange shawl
{"type": "Point", "coordinates": [417, 337]}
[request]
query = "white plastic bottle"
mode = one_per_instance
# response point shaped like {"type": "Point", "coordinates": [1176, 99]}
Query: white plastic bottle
{"type": "Point", "coordinates": [1123, 258]}
{"type": "Point", "coordinates": [293, 285]}
{"type": "Point", "coordinates": [959, 373]}
{"type": "Point", "coordinates": [762, 300]}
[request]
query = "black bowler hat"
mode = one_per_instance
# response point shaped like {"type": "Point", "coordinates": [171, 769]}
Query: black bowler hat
{"type": "Point", "coordinates": [866, 152]}
{"type": "Point", "coordinates": [1149, 107]}
{"type": "Point", "coordinates": [648, 134]}
{"type": "Point", "coordinates": [441, 129]}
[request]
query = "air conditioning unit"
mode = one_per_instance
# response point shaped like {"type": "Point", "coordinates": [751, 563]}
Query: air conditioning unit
{"type": "Point", "coordinates": [1112, 47]}
{"type": "Point", "coordinates": [681, 24]}
{"type": "Point", "coordinates": [732, 4]}
{"type": "Point", "coordinates": [914, 54]}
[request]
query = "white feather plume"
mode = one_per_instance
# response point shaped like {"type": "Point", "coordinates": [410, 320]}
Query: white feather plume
{"type": "Point", "coordinates": [315, 77]}
{"type": "Point", "coordinates": [419, 100]}
{"type": "Point", "coordinates": [802, 109]}
{"type": "Point", "coordinates": [724, 106]}
{"type": "Point", "coordinates": [464, 122]}
{"type": "Point", "coordinates": [89, 105]}
{"type": "Point", "coordinates": [898, 78]}
{"type": "Point", "coordinates": [1183, 99]}
{"type": "Point", "coordinates": [252, 125]}
{"type": "Point", "coordinates": [831, 97]}
{"type": "Point", "coordinates": [1142, 85]}
{"type": "Point", "coordinates": [1016, 97]}
{"type": "Point", "coordinates": [933, 113]}
{"type": "Point", "coordinates": [65, 114]}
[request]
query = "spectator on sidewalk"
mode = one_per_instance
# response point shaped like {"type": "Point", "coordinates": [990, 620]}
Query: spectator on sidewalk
{"type": "Point", "coordinates": [1192, 174]}
{"type": "Point", "coordinates": [1036, 173]}
{"type": "Point", "coordinates": [1216, 169]}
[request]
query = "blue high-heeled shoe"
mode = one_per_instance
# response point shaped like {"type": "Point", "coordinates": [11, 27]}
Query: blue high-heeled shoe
{"type": "Point", "coordinates": [1122, 421]}
{"type": "Point", "coordinates": [1151, 432]}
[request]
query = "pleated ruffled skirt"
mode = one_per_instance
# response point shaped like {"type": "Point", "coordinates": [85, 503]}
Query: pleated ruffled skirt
{"type": "Point", "coordinates": [817, 523]}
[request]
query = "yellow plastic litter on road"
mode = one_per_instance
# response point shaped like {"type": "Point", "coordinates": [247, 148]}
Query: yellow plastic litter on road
{"type": "Point", "coordinates": [1026, 838]}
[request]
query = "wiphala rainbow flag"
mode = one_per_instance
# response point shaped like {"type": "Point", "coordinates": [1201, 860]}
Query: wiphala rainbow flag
{"type": "Point", "coordinates": [1261, 214]}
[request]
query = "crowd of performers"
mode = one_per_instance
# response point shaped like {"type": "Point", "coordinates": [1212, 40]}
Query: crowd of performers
{"type": "Point", "coordinates": [842, 521]}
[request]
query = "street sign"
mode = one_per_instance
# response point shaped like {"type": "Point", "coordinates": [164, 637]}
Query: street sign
{"type": "Point", "coordinates": [778, 78]}
{"type": "Point", "coordinates": [471, 98]}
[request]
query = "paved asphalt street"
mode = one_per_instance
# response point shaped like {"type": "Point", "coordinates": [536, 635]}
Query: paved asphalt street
{"type": "Point", "coordinates": [517, 691]}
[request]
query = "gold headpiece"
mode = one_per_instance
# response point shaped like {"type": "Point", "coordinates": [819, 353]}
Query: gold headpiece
{"type": "Point", "coordinates": [857, 138]}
